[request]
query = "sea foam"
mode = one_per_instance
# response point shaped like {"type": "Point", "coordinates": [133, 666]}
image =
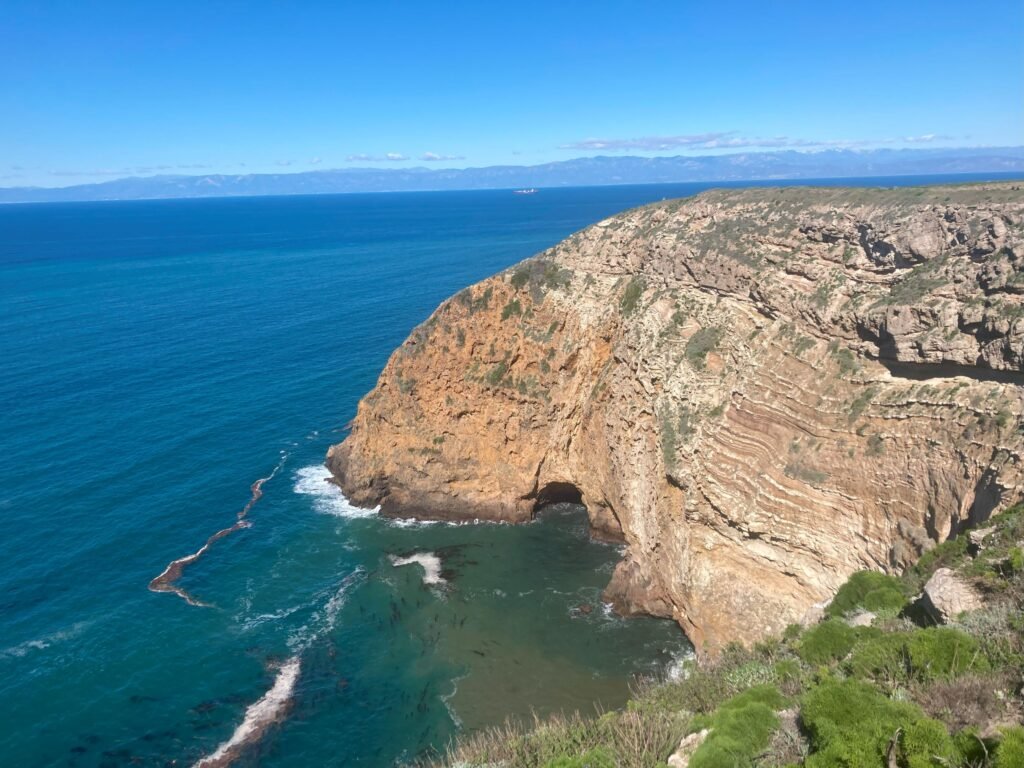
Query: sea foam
{"type": "Point", "coordinates": [430, 563]}
{"type": "Point", "coordinates": [327, 498]}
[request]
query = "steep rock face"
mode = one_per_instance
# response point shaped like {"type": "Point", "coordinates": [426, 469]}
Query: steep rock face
{"type": "Point", "coordinates": [759, 391]}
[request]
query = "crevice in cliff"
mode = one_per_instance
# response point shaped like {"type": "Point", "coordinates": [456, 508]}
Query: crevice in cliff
{"type": "Point", "coordinates": [988, 496]}
{"type": "Point", "coordinates": [888, 354]}
{"type": "Point", "coordinates": [927, 371]}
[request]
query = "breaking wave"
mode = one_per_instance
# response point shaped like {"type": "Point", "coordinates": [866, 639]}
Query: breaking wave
{"type": "Point", "coordinates": [315, 481]}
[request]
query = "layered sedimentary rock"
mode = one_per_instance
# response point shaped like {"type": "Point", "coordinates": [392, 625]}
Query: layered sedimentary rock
{"type": "Point", "coordinates": [758, 391]}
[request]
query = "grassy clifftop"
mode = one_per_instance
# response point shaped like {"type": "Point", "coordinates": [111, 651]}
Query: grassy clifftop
{"type": "Point", "coordinates": [874, 682]}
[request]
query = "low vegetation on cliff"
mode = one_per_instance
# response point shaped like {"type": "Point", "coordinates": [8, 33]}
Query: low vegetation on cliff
{"type": "Point", "coordinates": [893, 675]}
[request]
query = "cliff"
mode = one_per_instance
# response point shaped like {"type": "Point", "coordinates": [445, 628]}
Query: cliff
{"type": "Point", "coordinates": [758, 391]}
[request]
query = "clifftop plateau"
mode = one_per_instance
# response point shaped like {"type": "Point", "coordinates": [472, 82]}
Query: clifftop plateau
{"type": "Point", "coordinates": [758, 391]}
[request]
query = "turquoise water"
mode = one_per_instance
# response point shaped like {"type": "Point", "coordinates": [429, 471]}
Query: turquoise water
{"type": "Point", "coordinates": [161, 356]}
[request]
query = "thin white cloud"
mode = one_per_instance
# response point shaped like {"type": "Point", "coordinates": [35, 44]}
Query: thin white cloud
{"type": "Point", "coordinates": [433, 157]}
{"type": "Point", "coordinates": [729, 140]}
{"type": "Point", "coordinates": [362, 157]}
{"type": "Point", "coordinates": [97, 172]}
{"type": "Point", "coordinates": [926, 138]}
{"type": "Point", "coordinates": [315, 161]}
{"type": "Point", "coordinates": [285, 162]}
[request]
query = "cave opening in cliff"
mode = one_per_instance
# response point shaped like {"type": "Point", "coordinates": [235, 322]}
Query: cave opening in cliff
{"type": "Point", "coordinates": [557, 493]}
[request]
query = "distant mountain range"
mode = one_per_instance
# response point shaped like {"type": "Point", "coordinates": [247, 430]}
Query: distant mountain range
{"type": "Point", "coordinates": [588, 171]}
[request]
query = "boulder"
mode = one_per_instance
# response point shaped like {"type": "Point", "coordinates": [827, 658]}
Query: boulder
{"type": "Point", "coordinates": [861, 619]}
{"type": "Point", "coordinates": [946, 596]}
{"type": "Point", "coordinates": [977, 537]}
{"type": "Point", "coordinates": [689, 744]}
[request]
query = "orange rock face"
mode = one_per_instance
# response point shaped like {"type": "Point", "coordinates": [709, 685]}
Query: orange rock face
{"type": "Point", "coordinates": [758, 391]}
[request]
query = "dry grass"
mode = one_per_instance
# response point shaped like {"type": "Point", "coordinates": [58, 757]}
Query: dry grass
{"type": "Point", "coordinates": [636, 740]}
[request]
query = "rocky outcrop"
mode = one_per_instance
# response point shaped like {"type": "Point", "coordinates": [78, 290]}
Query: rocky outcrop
{"type": "Point", "coordinates": [687, 746]}
{"type": "Point", "coordinates": [758, 391]}
{"type": "Point", "coordinates": [946, 596]}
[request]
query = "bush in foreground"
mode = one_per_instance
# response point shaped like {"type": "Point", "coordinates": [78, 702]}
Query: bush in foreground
{"type": "Point", "coordinates": [869, 591]}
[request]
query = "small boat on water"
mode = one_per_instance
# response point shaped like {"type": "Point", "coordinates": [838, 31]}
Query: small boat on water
{"type": "Point", "coordinates": [526, 191]}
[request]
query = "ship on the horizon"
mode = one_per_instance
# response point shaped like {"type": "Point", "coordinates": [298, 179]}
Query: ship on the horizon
{"type": "Point", "coordinates": [530, 191]}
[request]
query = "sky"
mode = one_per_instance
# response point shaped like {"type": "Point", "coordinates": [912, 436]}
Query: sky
{"type": "Point", "coordinates": [91, 91]}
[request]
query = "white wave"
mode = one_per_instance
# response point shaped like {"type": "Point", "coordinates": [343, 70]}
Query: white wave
{"type": "Point", "coordinates": [254, 621]}
{"type": "Point", "coordinates": [327, 497]}
{"type": "Point", "coordinates": [679, 667]}
{"type": "Point", "coordinates": [446, 699]}
{"type": "Point", "coordinates": [323, 621]}
{"type": "Point", "coordinates": [258, 717]}
{"type": "Point", "coordinates": [44, 642]}
{"type": "Point", "coordinates": [430, 563]}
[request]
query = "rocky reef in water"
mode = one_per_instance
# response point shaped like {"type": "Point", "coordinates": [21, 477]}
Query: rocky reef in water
{"type": "Point", "coordinates": [759, 391]}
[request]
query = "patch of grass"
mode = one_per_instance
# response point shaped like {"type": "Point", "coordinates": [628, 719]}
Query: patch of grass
{"type": "Point", "coordinates": [827, 642]}
{"type": "Point", "coordinates": [540, 275]}
{"type": "Point", "coordinates": [615, 740]}
{"type": "Point", "coordinates": [1010, 752]}
{"type": "Point", "coordinates": [497, 373]}
{"type": "Point", "coordinates": [631, 296]}
{"type": "Point", "coordinates": [701, 343]}
{"type": "Point", "coordinates": [520, 277]}
{"type": "Point", "coordinates": [934, 653]}
{"type": "Point", "coordinates": [803, 343]}
{"type": "Point", "coordinates": [861, 402]}
{"type": "Point", "coordinates": [798, 471]}
{"type": "Point", "coordinates": [674, 428]}
{"type": "Point", "coordinates": [483, 301]}
{"type": "Point", "coordinates": [513, 307]}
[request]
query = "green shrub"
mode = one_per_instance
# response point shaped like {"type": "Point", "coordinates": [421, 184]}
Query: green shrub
{"type": "Point", "coordinates": [497, 373]}
{"type": "Point", "coordinates": [829, 641]}
{"type": "Point", "coordinates": [512, 308]}
{"type": "Point", "coordinates": [700, 344]}
{"type": "Point", "coordinates": [922, 654]}
{"type": "Point", "coordinates": [630, 297]}
{"type": "Point", "coordinates": [740, 729]}
{"type": "Point", "coordinates": [1015, 560]}
{"type": "Point", "coordinates": [850, 723]}
{"type": "Point", "coordinates": [1010, 752]}
{"type": "Point", "coordinates": [520, 277]}
{"type": "Point", "coordinates": [870, 591]}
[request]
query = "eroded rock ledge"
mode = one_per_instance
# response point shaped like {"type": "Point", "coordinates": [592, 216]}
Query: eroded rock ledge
{"type": "Point", "coordinates": [759, 391]}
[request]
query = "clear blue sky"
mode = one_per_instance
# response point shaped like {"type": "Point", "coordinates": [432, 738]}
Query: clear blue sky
{"type": "Point", "coordinates": [94, 90]}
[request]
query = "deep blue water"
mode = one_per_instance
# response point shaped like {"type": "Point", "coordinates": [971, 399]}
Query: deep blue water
{"type": "Point", "coordinates": [160, 356]}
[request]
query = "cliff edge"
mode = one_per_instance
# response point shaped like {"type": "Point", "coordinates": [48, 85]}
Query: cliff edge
{"type": "Point", "coordinates": [759, 391]}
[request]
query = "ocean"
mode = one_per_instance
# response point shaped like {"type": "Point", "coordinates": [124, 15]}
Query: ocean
{"type": "Point", "coordinates": [160, 358]}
